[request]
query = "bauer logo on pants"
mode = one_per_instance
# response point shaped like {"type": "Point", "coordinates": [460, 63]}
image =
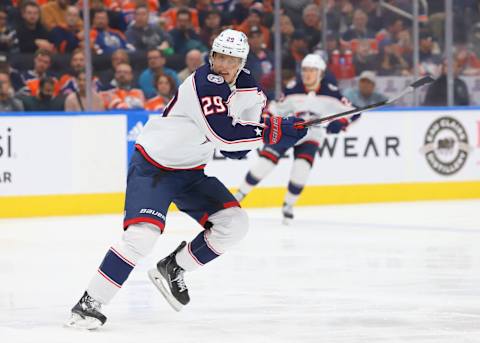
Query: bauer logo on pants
{"type": "Point", "coordinates": [446, 146]}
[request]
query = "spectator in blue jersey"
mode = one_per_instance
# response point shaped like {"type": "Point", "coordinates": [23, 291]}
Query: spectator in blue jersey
{"type": "Point", "coordinates": [143, 35]}
{"type": "Point", "coordinates": [183, 36]}
{"type": "Point", "coordinates": [364, 94]}
{"type": "Point", "coordinates": [68, 37]}
{"type": "Point", "coordinates": [68, 82]}
{"type": "Point", "coordinates": [106, 40]}
{"type": "Point", "coordinates": [8, 36]}
{"type": "Point", "coordinates": [30, 32]}
{"type": "Point", "coordinates": [156, 65]}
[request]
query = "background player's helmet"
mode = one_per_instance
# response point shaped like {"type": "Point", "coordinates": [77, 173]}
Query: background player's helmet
{"type": "Point", "coordinates": [232, 43]}
{"type": "Point", "coordinates": [315, 61]}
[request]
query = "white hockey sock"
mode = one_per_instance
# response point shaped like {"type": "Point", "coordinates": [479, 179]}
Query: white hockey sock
{"type": "Point", "coordinates": [298, 178]}
{"type": "Point", "coordinates": [137, 241]}
{"type": "Point", "coordinates": [229, 227]}
{"type": "Point", "coordinates": [258, 172]}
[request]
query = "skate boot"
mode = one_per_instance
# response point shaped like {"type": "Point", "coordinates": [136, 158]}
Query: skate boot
{"type": "Point", "coordinates": [86, 314]}
{"type": "Point", "coordinates": [287, 211]}
{"type": "Point", "coordinates": [168, 278]}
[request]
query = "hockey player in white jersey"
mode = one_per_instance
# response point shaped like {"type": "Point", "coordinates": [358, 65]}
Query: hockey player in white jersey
{"type": "Point", "coordinates": [219, 106]}
{"type": "Point", "coordinates": [311, 96]}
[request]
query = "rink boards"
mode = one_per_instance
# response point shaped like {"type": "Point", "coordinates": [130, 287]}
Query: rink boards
{"type": "Point", "coordinates": [67, 163]}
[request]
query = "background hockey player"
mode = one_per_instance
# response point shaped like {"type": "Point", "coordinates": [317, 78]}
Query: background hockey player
{"type": "Point", "coordinates": [311, 96]}
{"type": "Point", "coordinates": [219, 106]}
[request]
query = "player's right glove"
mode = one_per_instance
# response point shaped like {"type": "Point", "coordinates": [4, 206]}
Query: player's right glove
{"type": "Point", "coordinates": [282, 131]}
{"type": "Point", "coordinates": [338, 125]}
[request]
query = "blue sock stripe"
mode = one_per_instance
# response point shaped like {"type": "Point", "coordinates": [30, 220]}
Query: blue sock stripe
{"type": "Point", "coordinates": [294, 189]}
{"type": "Point", "coordinates": [251, 180]}
{"type": "Point", "coordinates": [200, 250]}
{"type": "Point", "coordinates": [115, 268]}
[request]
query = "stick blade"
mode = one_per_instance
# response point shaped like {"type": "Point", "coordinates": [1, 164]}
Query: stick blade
{"type": "Point", "coordinates": [423, 81]}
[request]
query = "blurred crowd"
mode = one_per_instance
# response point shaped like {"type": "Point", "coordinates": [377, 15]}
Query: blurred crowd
{"type": "Point", "coordinates": [143, 49]}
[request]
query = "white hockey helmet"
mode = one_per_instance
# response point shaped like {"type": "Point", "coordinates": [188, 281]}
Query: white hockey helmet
{"type": "Point", "coordinates": [314, 61]}
{"type": "Point", "coordinates": [232, 43]}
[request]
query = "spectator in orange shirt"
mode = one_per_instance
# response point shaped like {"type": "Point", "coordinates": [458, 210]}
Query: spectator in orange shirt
{"type": "Point", "coordinates": [124, 96]}
{"type": "Point", "coordinates": [170, 16]}
{"type": "Point", "coordinates": [45, 99]}
{"type": "Point", "coordinates": [54, 13]}
{"type": "Point", "coordinates": [166, 87]}
{"type": "Point", "coordinates": [127, 7]}
{"type": "Point", "coordinates": [41, 64]}
{"type": "Point", "coordinates": [254, 19]}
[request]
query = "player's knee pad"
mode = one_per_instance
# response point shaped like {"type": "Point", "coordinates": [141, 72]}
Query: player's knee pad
{"type": "Point", "coordinates": [229, 226]}
{"type": "Point", "coordinates": [138, 240]}
{"type": "Point", "coordinates": [306, 151]}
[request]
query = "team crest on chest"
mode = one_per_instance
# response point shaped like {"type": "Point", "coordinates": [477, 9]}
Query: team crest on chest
{"type": "Point", "coordinates": [215, 79]}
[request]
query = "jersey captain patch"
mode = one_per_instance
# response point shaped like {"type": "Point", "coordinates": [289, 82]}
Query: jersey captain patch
{"type": "Point", "coordinates": [218, 79]}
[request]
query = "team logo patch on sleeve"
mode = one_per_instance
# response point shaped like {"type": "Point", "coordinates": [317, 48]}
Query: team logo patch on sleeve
{"type": "Point", "coordinates": [215, 79]}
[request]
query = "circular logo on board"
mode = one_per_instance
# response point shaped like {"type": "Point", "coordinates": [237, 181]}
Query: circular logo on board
{"type": "Point", "coordinates": [446, 146]}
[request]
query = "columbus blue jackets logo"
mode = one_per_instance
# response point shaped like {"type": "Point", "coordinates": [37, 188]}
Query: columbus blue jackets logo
{"type": "Point", "coordinates": [215, 79]}
{"type": "Point", "coordinates": [446, 146]}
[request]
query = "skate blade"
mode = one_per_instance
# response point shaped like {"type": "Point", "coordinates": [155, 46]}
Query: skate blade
{"type": "Point", "coordinates": [157, 280]}
{"type": "Point", "coordinates": [78, 322]}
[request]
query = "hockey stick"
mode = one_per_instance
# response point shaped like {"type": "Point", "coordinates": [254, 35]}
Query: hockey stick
{"type": "Point", "coordinates": [417, 84]}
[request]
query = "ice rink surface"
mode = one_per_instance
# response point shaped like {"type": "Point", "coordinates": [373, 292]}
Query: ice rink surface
{"type": "Point", "coordinates": [407, 272]}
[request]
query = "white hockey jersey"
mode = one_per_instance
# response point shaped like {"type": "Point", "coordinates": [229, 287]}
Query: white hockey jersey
{"type": "Point", "coordinates": [203, 115]}
{"type": "Point", "coordinates": [308, 106]}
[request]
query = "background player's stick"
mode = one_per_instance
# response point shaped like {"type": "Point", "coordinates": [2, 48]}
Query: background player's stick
{"type": "Point", "coordinates": [417, 84]}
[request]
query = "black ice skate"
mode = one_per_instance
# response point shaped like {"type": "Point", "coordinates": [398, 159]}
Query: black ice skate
{"type": "Point", "coordinates": [168, 278]}
{"type": "Point", "coordinates": [86, 314]}
{"type": "Point", "coordinates": [287, 211]}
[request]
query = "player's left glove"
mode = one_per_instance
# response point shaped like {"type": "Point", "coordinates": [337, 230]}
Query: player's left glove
{"type": "Point", "coordinates": [341, 124]}
{"type": "Point", "coordinates": [282, 131]}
